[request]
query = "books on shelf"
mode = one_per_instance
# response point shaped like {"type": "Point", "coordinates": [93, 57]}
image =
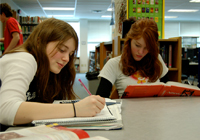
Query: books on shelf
{"type": "Point", "coordinates": [77, 64]}
{"type": "Point", "coordinates": [29, 20]}
{"type": "Point", "coordinates": [166, 53]}
{"type": "Point", "coordinates": [97, 65]}
{"type": "Point", "coordinates": [161, 90]}
{"type": "Point", "coordinates": [170, 57]}
{"type": "Point", "coordinates": [48, 132]}
{"type": "Point", "coordinates": [28, 29]}
{"type": "Point", "coordinates": [91, 64]}
{"type": "Point", "coordinates": [108, 56]}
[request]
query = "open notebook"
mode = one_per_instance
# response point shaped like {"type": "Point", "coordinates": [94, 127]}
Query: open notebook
{"type": "Point", "coordinates": [104, 116]}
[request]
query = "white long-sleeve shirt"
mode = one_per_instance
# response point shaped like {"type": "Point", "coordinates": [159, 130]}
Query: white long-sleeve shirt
{"type": "Point", "coordinates": [17, 70]}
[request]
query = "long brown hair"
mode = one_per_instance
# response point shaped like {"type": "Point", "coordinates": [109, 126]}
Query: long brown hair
{"type": "Point", "coordinates": [149, 66]}
{"type": "Point", "coordinates": [51, 86]}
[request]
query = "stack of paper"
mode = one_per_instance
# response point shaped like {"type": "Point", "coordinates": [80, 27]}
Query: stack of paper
{"type": "Point", "coordinates": [108, 118]}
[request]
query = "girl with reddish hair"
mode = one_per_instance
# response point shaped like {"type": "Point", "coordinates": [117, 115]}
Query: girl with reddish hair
{"type": "Point", "coordinates": [140, 61]}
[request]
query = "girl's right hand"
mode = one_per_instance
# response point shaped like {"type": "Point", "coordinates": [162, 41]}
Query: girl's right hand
{"type": "Point", "coordinates": [89, 106]}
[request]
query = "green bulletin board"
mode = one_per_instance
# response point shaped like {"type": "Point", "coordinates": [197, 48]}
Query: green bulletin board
{"type": "Point", "coordinates": [152, 9]}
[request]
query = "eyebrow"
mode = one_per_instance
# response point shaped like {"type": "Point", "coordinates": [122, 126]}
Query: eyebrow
{"type": "Point", "coordinates": [137, 42]}
{"type": "Point", "coordinates": [140, 44]}
{"type": "Point", "coordinates": [68, 48]}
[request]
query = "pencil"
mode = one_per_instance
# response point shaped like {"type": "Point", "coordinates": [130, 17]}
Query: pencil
{"type": "Point", "coordinates": [84, 87]}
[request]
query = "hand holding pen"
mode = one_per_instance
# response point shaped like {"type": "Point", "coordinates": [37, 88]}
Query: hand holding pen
{"type": "Point", "coordinates": [90, 105]}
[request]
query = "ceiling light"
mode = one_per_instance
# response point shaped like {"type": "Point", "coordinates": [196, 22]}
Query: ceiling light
{"type": "Point", "coordinates": [106, 16]}
{"type": "Point", "coordinates": [183, 10]}
{"type": "Point", "coordinates": [195, 1]}
{"type": "Point", "coordinates": [109, 9]}
{"type": "Point", "coordinates": [96, 11]}
{"type": "Point", "coordinates": [57, 8]}
{"type": "Point", "coordinates": [60, 15]}
{"type": "Point", "coordinates": [171, 16]}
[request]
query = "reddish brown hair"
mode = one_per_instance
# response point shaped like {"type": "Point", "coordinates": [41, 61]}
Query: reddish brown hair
{"type": "Point", "coordinates": [149, 66]}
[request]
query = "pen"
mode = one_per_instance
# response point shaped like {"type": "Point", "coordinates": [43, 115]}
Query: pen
{"type": "Point", "coordinates": [84, 87]}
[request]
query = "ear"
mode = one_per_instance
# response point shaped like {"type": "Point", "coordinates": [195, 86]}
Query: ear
{"type": "Point", "coordinates": [3, 14]}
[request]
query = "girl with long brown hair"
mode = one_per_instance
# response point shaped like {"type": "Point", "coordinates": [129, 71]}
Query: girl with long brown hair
{"type": "Point", "coordinates": [140, 61]}
{"type": "Point", "coordinates": [40, 71]}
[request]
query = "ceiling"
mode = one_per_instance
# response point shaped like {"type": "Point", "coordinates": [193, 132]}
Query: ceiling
{"type": "Point", "coordinates": [84, 9]}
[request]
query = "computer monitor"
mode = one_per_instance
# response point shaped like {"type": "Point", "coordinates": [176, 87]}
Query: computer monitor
{"type": "Point", "coordinates": [192, 54]}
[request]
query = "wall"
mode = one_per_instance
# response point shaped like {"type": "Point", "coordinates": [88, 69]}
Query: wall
{"type": "Point", "coordinates": [183, 28]}
{"type": "Point", "coordinates": [99, 31]}
{"type": "Point", "coordinates": [83, 45]}
{"type": "Point", "coordinates": [92, 32]}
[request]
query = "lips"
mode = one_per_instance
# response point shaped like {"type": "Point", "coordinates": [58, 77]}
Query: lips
{"type": "Point", "coordinates": [139, 56]}
{"type": "Point", "coordinates": [60, 65]}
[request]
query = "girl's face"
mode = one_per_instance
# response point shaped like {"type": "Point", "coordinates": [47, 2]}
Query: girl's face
{"type": "Point", "coordinates": [138, 48]}
{"type": "Point", "coordinates": [59, 57]}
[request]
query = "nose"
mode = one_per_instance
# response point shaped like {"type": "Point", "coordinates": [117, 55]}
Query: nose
{"type": "Point", "coordinates": [65, 58]}
{"type": "Point", "coordinates": [141, 50]}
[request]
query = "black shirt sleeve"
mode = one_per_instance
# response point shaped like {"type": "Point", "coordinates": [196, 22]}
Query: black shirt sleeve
{"type": "Point", "coordinates": [165, 79]}
{"type": "Point", "coordinates": [104, 88]}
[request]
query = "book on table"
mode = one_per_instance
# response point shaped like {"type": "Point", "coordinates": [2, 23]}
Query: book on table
{"type": "Point", "coordinates": [160, 89]}
{"type": "Point", "coordinates": [109, 118]}
{"type": "Point", "coordinates": [48, 132]}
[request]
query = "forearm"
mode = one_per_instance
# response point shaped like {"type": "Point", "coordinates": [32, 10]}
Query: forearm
{"type": "Point", "coordinates": [29, 111]}
{"type": "Point", "coordinates": [2, 39]}
{"type": "Point", "coordinates": [104, 88]}
{"type": "Point", "coordinates": [12, 44]}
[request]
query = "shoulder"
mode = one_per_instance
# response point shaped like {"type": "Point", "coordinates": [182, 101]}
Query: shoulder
{"type": "Point", "coordinates": [115, 59]}
{"type": "Point", "coordinates": [111, 69]}
{"type": "Point", "coordinates": [23, 56]}
{"type": "Point", "coordinates": [11, 19]}
{"type": "Point", "coordinates": [11, 22]}
{"type": "Point", "coordinates": [165, 69]}
{"type": "Point", "coordinates": [18, 60]}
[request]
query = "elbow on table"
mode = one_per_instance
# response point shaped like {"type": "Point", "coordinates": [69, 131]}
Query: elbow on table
{"type": "Point", "coordinates": [8, 111]}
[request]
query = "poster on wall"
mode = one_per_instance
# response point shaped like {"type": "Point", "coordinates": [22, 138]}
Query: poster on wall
{"type": "Point", "coordinates": [151, 9]}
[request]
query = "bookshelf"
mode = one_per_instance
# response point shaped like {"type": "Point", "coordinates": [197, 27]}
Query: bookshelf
{"type": "Point", "coordinates": [116, 46]}
{"type": "Point", "coordinates": [28, 24]}
{"type": "Point", "coordinates": [77, 65]}
{"type": "Point", "coordinates": [97, 57]}
{"type": "Point", "coordinates": [91, 64]}
{"type": "Point", "coordinates": [105, 50]}
{"type": "Point", "coordinates": [175, 70]}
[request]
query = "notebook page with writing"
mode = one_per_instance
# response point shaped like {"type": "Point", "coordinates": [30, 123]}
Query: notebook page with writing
{"type": "Point", "coordinates": [103, 116]}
